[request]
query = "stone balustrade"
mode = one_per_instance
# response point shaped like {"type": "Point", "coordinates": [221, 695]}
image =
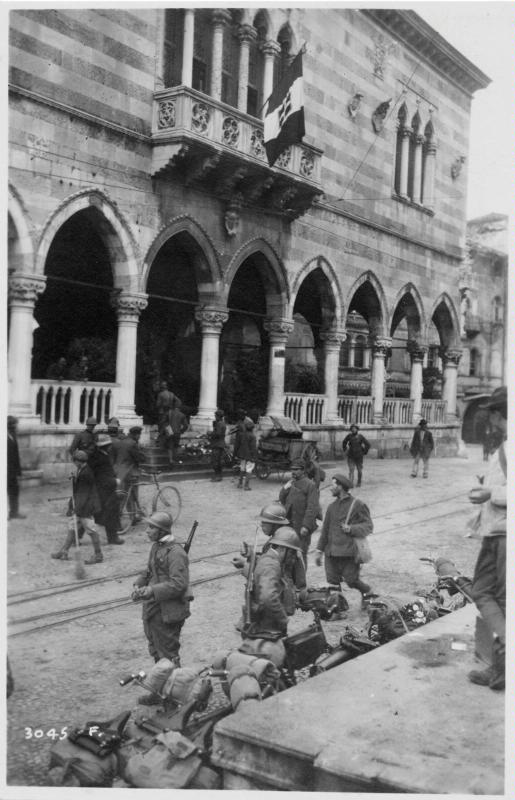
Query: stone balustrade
{"type": "Point", "coordinates": [68, 404]}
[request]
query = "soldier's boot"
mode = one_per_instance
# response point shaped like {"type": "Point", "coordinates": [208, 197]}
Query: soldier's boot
{"type": "Point", "coordinates": [246, 486]}
{"type": "Point", "coordinates": [497, 682]}
{"type": "Point", "coordinates": [240, 481]}
{"type": "Point", "coordinates": [97, 556]}
{"type": "Point", "coordinates": [63, 552]}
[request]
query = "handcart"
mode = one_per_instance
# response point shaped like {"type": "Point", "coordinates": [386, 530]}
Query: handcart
{"type": "Point", "coordinates": [280, 444]}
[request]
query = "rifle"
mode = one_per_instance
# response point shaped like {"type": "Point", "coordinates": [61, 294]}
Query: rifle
{"type": "Point", "coordinates": [189, 540]}
{"type": "Point", "coordinates": [247, 609]}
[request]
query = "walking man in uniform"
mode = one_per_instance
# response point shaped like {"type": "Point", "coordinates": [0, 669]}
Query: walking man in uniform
{"type": "Point", "coordinates": [356, 446]}
{"type": "Point", "coordinates": [164, 590]}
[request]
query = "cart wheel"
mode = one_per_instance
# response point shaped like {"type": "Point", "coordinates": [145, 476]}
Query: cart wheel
{"type": "Point", "coordinates": [263, 471]}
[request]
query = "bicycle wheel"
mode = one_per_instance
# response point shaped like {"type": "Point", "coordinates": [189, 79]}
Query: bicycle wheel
{"type": "Point", "coordinates": [146, 492]}
{"type": "Point", "coordinates": [125, 515]}
{"type": "Point", "coordinates": [168, 499]}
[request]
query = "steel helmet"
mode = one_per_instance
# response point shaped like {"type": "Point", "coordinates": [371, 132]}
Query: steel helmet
{"type": "Point", "coordinates": [274, 513]}
{"type": "Point", "coordinates": [286, 537]}
{"type": "Point", "coordinates": [161, 520]}
{"type": "Point", "coordinates": [103, 440]}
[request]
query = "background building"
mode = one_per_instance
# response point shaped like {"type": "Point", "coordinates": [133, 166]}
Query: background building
{"type": "Point", "coordinates": [484, 292]}
{"type": "Point", "coordinates": [148, 234]}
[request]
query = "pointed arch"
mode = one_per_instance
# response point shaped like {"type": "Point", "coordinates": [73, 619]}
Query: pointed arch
{"type": "Point", "coordinates": [446, 320]}
{"type": "Point", "coordinates": [381, 318]}
{"type": "Point", "coordinates": [275, 278]}
{"type": "Point", "coordinates": [201, 249]}
{"type": "Point", "coordinates": [113, 229]}
{"type": "Point", "coordinates": [320, 262]}
{"type": "Point", "coordinates": [20, 244]}
{"type": "Point", "coordinates": [409, 291]}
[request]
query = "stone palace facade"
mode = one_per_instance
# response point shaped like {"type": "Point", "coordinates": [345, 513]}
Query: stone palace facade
{"type": "Point", "coordinates": [148, 233]}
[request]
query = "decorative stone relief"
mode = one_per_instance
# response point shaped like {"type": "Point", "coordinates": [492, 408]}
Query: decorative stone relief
{"type": "Point", "coordinates": [230, 131]}
{"type": "Point", "coordinates": [283, 197]}
{"type": "Point", "coordinates": [383, 48]}
{"type": "Point", "coordinates": [451, 355]}
{"type": "Point", "coordinates": [200, 117]}
{"type": "Point", "coordinates": [257, 148]}
{"type": "Point", "coordinates": [25, 289]}
{"type": "Point", "coordinates": [354, 104]}
{"type": "Point", "coordinates": [416, 351]}
{"type": "Point", "coordinates": [379, 115]}
{"type": "Point", "coordinates": [284, 158]}
{"type": "Point", "coordinates": [381, 345]}
{"type": "Point", "coordinates": [457, 166]}
{"type": "Point", "coordinates": [333, 338]}
{"type": "Point", "coordinates": [232, 215]}
{"type": "Point", "coordinates": [307, 163]}
{"type": "Point", "coordinates": [166, 114]}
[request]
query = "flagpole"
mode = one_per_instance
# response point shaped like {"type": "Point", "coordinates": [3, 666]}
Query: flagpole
{"type": "Point", "coordinates": [302, 50]}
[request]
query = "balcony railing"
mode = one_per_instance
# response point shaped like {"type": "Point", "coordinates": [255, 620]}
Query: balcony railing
{"type": "Point", "coordinates": [434, 410]}
{"type": "Point", "coordinates": [70, 403]}
{"type": "Point", "coordinates": [305, 409]}
{"type": "Point", "coordinates": [398, 411]}
{"type": "Point", "coordinates": [355, 409]}
{"type": "Point", "coordinates": [210, 142]}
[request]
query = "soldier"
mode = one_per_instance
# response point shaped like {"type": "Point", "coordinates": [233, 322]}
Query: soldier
{"type": "Point", "coordinates": [85, 440]}
{"type": "Point", "coordinates": [127, 455]}
{"type": "Point", "coordinates": [301, 498]}
{"type": "Point", "coordinates": [164, 589]}
{"type": "Point", "coordinates": [356, 446]}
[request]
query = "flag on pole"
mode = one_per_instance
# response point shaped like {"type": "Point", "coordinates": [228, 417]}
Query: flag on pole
{"type": "Point", "coordinates": [284, 120]}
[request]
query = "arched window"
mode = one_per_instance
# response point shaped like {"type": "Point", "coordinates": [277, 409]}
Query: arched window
{"type": "Point", "coordinates": [173, 43]}
{"type": "Point", "coordinates": [427, 165]}
{"type": "Point", "coordinates": [256, 67]}
{"type": "Point", "coordinates": [497, 309]}
{"type": "Point", "coordinates": [202, 49]}
{"type": "Point", "coordinates": [474, 362]}
{"type": "Point", "coordinates": [401, 133]}
{"type": "Point", "coordinates": [230, 60]}
{"type": "Point", "coordinates": [415, 126]}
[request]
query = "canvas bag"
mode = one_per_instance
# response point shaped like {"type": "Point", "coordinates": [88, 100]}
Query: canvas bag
{"type": "Point", "coordinates": [362, 550]}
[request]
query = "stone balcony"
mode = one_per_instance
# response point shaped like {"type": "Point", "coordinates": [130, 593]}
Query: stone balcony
{"type": "Point", "coordinates": [207, 143]}
{"type": "Point", "coordinates": [472, 324]}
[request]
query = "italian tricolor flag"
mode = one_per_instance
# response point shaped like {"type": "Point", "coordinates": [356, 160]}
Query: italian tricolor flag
{"type": "Point", "coordinates": [284, 121]}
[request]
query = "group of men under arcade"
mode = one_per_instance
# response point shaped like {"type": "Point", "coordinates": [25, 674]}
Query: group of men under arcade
{"type": "Point", "coordinates": [104, 462]}
{"type": "Point", "coordinates": [279, 574]}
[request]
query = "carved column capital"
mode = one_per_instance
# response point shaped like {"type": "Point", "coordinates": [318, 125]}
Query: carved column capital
{"type": "Point", "coordinates": [451, 356]}
{"type": "Point", "coordinates": [211, 319]}
{"type": "Point", "coordinates": [279, 328]}
{"type": "Point", "coordinates": [380, 346]}
{"type": "Point", "coordinates": [128, 305]}
{"type": "Point", "coordinates": [247, 33]}
{"type": "Point", "coordinates": [221, 17]}
{"type": "Point", "coordinates": [416, 350]}
{"type": "Point", "coordinates": [270, 48]}
{"type": "Point", "coordinates": [24, 290]}
{"type": "Point", "coordinates": [333, 338]}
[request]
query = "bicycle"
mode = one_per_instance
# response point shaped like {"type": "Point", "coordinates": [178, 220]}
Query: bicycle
{"type": "Point", "coordinates": [144, 498]}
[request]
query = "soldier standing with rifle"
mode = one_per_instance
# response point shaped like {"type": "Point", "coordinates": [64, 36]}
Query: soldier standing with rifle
{"type": "Point", "coordinates": [164, 590]}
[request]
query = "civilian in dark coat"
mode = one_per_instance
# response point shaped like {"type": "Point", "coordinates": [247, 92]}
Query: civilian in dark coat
{"type": "Point", "coordinates": [84, 504]}
{"type": "Point", "coordinates": [13, 469]}
{"type": "Point", "coordinates": [106, 483]}
{"type": "Point", "coordinates": [301, 499]}
{"type": "Point", "coordinates": [217, 441]}
{"type": "Point", "coordinates": [245, 448]}
{"type": "Point", "coordinates": [127, 455]}
{"type": "Point", "coordinates": [422, 445]}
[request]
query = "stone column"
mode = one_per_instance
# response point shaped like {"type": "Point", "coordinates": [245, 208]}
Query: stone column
{"type": "Point", "coordinates": [128, 307]}
{"type": "Point", "coordinates": [23, 290]}
{"type": "Point", "coordinates": [429, 177]}
{"type": "Point", "coordinates": [278, 331]}
{"type": "Point", "coordinates": [417, 353]}
{"type": "Point", "coordinates": [380, 348]}
{"type": "Point", "coordinates": [246, 35]}
{"type": "Point", "coordinates": [211, 323]}
{"type": "Point", "coordinates": [451, 359]}
{"type": "Point", "coordinates": [417, 171]}
{"type": "Point", "coordinates": [270, 50]}
{"type": "Point", "coordinates": [352, 349]}
{"type": "Point", "coordinates": [403, 188]}
{"type": "Point", "coordinates": [332, 343]}
{"type": "Point", "coordinates": [220, 19]}
{"type": "Point", "coordinates": [187, 47]}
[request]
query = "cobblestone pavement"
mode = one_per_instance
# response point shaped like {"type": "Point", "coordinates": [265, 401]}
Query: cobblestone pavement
{"type": "Point", "coordinates": [67, 674]}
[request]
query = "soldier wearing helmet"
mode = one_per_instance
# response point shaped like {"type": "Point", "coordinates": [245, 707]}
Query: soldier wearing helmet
{"type": "Point", "coordinates": [272, 517]}
{"type": "Point", "coordinates": [272, 593]}
{"type": "Point", "coordinates": [84, 440]}
{"type": "Point", "coordinates": [164, 590]}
